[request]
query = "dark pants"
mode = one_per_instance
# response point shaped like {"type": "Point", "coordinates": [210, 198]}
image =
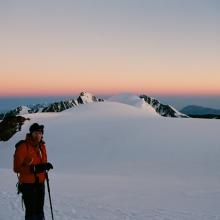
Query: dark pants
{"type": "Point", "coordinates": [33, 196]}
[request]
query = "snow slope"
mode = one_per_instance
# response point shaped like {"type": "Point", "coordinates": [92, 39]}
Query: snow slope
{"type": "Point", "coordinates": [133, 100]}
{"type": "Point", "coordinates": [115, 161]}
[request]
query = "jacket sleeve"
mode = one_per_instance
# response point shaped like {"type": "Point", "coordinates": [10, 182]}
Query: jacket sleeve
{"type": "Point", "coordinates": [21, 162]}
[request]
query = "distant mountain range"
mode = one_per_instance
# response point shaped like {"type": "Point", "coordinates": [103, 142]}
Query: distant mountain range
{"type": "Point", "coordinates": [84, 97]}
{"type": "Point", "coordinates": [195, 111]}
{"type": "Point", "coordinates": [11, 121]}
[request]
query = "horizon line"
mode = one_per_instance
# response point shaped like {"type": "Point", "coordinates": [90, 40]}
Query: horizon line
{"type": "Point", "coordinates": [111, 94]}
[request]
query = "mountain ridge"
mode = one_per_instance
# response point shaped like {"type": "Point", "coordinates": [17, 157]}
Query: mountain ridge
{"type": "Point", "coordinates": [199, 110]}
{"type": "Point", "coordinates": [162, 109]}
{"type": "Point", "coordinates": [85, 97]}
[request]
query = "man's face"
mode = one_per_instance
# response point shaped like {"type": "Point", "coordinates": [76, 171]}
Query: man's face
{"type": "Point", "coordinates": [37, 136]}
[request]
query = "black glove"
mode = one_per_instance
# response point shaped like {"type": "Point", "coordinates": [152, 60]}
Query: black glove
{"type": "Point", "coordinates": [40, 168]}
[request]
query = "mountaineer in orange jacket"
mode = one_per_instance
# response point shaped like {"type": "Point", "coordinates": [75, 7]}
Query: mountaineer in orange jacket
{"type": "Point", "coordinates": [30, 163]}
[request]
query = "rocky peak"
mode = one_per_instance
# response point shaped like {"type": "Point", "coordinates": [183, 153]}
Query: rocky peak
{"type": "Point", "coordinates": [162, 109]}
{"type": "Point", "coordinates": [60, 106]}
{"type": "Point", "coordinates": [86, 97]}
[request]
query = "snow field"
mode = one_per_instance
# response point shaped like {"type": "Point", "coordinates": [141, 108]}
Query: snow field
{"type": "Point", "coordinates": [117, 161]}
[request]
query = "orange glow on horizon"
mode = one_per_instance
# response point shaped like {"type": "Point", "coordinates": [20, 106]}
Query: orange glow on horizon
{"type": "Point", "coordinates": [110, 91]}
{"type": "Point", "coordinates": [67, 84]}
{"type": "Point", "coordinates": [70, 49]}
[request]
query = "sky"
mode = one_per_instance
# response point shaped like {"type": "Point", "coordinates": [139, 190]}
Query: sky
{"type": "Point", "coordinates": [156, 47]}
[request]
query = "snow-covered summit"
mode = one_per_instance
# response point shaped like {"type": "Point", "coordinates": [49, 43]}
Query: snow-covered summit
{"type": "Point", "coordinates": [86, 97]}
{"type": "Point", "coordinates": [133, 100]}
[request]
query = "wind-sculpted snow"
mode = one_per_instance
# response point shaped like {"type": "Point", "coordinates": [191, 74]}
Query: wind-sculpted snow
{"type": "Point", "coordinates": [117, 161]}
{"type": "Point", "coordinates": [133, 100]}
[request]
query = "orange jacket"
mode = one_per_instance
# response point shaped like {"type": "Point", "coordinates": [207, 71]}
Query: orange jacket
{"type": "Point", "coordinates": [26, 154]}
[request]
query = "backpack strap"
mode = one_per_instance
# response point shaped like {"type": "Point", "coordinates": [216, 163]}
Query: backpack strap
{"type": "Point", "coordinates": [19, 143]}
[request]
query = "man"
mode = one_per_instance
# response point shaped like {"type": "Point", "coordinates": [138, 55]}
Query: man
{"type": "Point", "coordinates": [30, 163]}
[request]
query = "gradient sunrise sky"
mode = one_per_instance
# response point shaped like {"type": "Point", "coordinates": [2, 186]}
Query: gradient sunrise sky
{"type": "Point", "coordinates": [163, 47]}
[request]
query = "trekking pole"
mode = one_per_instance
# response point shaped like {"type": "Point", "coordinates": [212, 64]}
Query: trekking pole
{"type": "Point", "coordinates": [48, 187]}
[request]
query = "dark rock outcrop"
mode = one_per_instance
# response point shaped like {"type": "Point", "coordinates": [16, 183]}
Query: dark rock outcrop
{"type": "Point", "coordinates": [9, 126]}
{"type": "Point", "coordinates": [163, 110]}
{"type": "Point", "coordinates": [60, 106]}
{"type": "Point", "coordinates": [15, 112]}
